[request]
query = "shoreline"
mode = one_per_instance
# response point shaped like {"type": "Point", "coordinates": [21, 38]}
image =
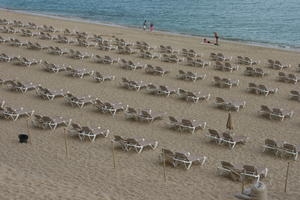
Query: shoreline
{"type": "Point", "coordinates": [79, 19]}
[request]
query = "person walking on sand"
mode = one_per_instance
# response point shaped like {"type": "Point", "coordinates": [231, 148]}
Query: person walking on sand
{"type": "Point", "coordinates": [145, 25]}
{"type": "Point", "coordinates": [217, 38]}
{"type": "Point", "coordinates": [151, 27]}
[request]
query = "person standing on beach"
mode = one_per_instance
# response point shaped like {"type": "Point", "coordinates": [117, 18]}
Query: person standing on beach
{"type": "Point", "coordinates": [145, 25]}
{"type": "Point", "coordinates": [151, 27]}
{"type": "Point", "coordinates": [217, 38]}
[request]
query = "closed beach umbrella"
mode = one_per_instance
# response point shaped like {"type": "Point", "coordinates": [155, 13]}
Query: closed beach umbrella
{"type": "Point", "coordinates": [229, 124]}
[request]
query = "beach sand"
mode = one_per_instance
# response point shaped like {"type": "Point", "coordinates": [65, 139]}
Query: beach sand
{"type": "Point", "coordinates": [40, 170]}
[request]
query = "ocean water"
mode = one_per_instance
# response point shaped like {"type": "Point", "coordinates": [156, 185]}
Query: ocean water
{"type": "Point", "coordinates": [269, 22]}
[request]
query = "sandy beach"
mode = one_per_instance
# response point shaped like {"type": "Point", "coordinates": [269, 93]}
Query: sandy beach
{"type": "Point", "coordinates": [40, 169]}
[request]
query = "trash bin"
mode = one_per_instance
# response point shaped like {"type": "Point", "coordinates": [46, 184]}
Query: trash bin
{"type": "Point", "coordinates": [23, 138]}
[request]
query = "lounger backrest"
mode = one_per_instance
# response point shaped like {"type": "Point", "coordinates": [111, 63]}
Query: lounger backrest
{"type": "Point", "coordinates": [227, 136]}
{"type": "Point", "coordinates": [86, 129]}
{"type": "Point", "coordinates": [252, 85]}
{"type": "Point", "coordinates": [76, 126]}
{"type": "Point", "coordinates": [289, 147]}
{"type": "Point", "coordinates": [214, 133]}
{"type": "Point", "coordinates": [11, 110]}
{"type": "Point", "coordinates": [249, 169]}
{"type": "Point", "coordinates": [217, 79]}
{"type": "Point", "coordinates": [38, 117]}
{"type": "Point", "coordinates": [132, 141]}
{"type": "Point", "coordinates": [227, 165]}
{"type": "Point", "coordinates": [262, 87]}
{"type": "Point", "coordinates": [270, 143]}
{"type": "Point", "coordinates": [281, 74]}
{"type": "Point", "coordinates": [181, 72]}
{"type": "Point", "coordinates": [131, 110]}
{"type": "Point", "coordinates": [294, 92]}
{"type": "Point", "coordinates": [265, 108]}
{"type": "Point", "coordinates": [187, 122]}
{"type": "Point", "coordinates": [181, 156]}
{"type": "Point", "coordinates": [146, 113]}
{"type": "Point", "coordinates": [173, 119]}
{"type": "Point", "coordinates": [220, 100]}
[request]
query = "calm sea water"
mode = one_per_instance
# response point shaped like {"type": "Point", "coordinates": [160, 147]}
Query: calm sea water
{"type": "Point", "coordinates": [274, 22]}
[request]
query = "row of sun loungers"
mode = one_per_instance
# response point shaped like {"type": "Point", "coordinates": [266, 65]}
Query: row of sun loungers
{"type": "Point", "coordinates": [226, 138]}
{"type": "Point", "coordinates": [284, 149]}
{"type": "Point", "coordinates": [261, 89]}
{"type": "Point", "coordinates": [275, 113]}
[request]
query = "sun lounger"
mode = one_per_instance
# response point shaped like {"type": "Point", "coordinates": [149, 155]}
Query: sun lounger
{"type": "Point", "coordinates": [271, 146]}
{"type": "Point", "coordinates": [139, 144]}
{"type": "Point", "coordinates": [48, 94]}
{"type": "Point", "coordinates": [290, 150]}
{"type": "Point", "coordinates": [131, 113]}
{"type": "Point", "coordinates": [167, 156]}
{"type": "Point", "coordinates": [250, 171]}
{"type": "Point", "coordinates": [54, 122]}
{"type": "Point", "coordinates": [101, 77]}
{"type": "Point", "coordinates": [5, 58]}
{"type": "Point", "coordinates": [149, 116]}
{"type": "Point", "coordinates": [113, 108]}
{"type": "Point", "coordinates": [152, 89]}
{"type": "Point", "coordinates": [24, 87]}
{"type": "Point", "coordinates": [232, 141]}
{"type": "Point", "coordinates": [214, 136]}
{"type": "Point", "coordinates": [121, 141]}
{"type": "Point", "coordinates": [295, 95]}
{"type": "Point", "coordinates": [229, 105]}
{"type": "Point", "coordinates": [165, 90]}
{"type": "Point", "coordinates": [79, 101]}
{"type": "Point", "coordinates": [195, 97]}
{"type": "Point", "coordinates": [192, 125]}
{"type": "Point", "coordinates": [188, 160]}
{"type": "Point", "coordinates": [229, 170]}
{"type": "Point", "coordinates": [281, 114]}
{"type": "Point", "coordinates": [15, 113]}
{"type": "Point", "coordinates": [80, 72]}
{"type": "Point", "coordinates": [92, 133]}
{"type": "Point", "coordinates": [262, 89]}
{"type": "Point", "coordinates": [174, 123]}
{"type": "Point", "coordinates": [50, 67]}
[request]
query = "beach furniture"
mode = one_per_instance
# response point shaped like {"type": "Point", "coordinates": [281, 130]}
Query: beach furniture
{"type": "Point", "coordinates": [295, 95]}
{"type": "Point", "coordinates": [24, 87]}
{"type": "Point", "coordinates": [152, 88]}
{"type": "Point", "coordinates": [80, 72]}
{"type": "Point", "coordinates": [262, 89]}
{"type": "Point", "coordinates": [252, 172]}
{"type": "Point", "coordinates": [45, 36]}
{"type": "Point", "coordinates": [122, 141]}
{"type": "Point", "coordinates": [195, 97]}
{"type": "Point", "coordinates": [139, 144]}
{"type": "Point", "coordinates": [271, 146]}
{"type": "Point", "coordinates": [149, 116]}
{"type": "Point", "coordinates": [5, 58]}
{"type": "Point", "coordinates": [232, 141]}
{"type": "Point", "coordinates": [54, 122]}
{"type": "Point", "coordinates": [187, 160]}
{"type": "Point", "coordinates": [229, 105]}
{"type": "Point", "coordinates": [191, 125]}
{"type": "Point", "coordinates": [51, 67]}
{"type": "Point", "coordinates": [78, 101]}
{"type": "Point", "coordinates": [265, 111]}
{"type": "Point", "coordinates": [174, 123]}
{"type": "Point", "coordinates": [15, 113]}
{"type": "Point", "coordinates": [230, 170]}
{"type": "Point", "coordinates": [167, 156]}
{"type": "Point", "coordinates": [165, 90]}
{"type": "Point", "coordinates": [92, 133]}
{"type": "Point", "coordinates": [288, 149]}
{"type": "Point", "coordinates": [34, 46]}
{"type": "Point", "coordinates": [214, 136]}
{"type": "Point", "coordinates": [48, 94]}
{"type": "Point", "coordinates": [101, 77]}
{"type": "Point", "coordinates": [112, 108]}
{"type": "Point", "coordinates": [281, 114]}
{"type": "Point", "coordinates": [131, 113]}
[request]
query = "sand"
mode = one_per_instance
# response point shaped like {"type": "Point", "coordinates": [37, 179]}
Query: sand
{"type": "Point", "coordinates": [40, 170]}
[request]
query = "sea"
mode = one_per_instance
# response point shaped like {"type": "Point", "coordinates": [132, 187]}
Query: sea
{"type": "Point", "coordinates": [274, 23]}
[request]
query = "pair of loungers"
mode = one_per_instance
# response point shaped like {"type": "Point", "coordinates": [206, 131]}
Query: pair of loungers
{"type": "Point", "coordinates": [191, 76]}
{"type": "Point", "coordinates": [229, 105]}
{"type": "Point", "coordinates": [288, 78]}
{"type": "Point", "coordinates": [255, 72]}
{"type": "Point", "coordinates": [244, 60]}
{"type": "Point", "coordinates": [185, 124]}
{"type": "Point", "coordinates": [261, 89]}
{"type": "Point", "coordinates": [145, 115]}
{"type": "Point", "coordinates": [79, 101]}
{"type": "Point", "coordinates": [47, 122]}
{"type": "Point", "coordinates": [197, 62]}
{"type": "Point", "coordinates": [225, 82]}
{"type": "Point", "coordinates": [192, 96]}
{"type": "Point", "coordinates": [226, 138]}
{"type": "Point", "coordinates": [157, 70]}
{"type": "Point", "coordinates": [227, 67]}
{"type": "Point", "coordinates": [15, 113]}
{"type": "Point", "coordinates": [138, 144]}
{"type": "Point", "coordinates": [132, 85]}
{"type": "Point", "coordinates": [275, 113]}
{"type": "Point", "coordinates": [175, 159]}
{"type": "Point", "coordinates": [108, 107]}
{"type": "Point", "coordinates": [160, 90]}
{"type": "Point", "coordinates": [284, 149]}
{"type": "Point", "coordinates": [89, 132]}
{"type": "Point", "coordinates": [239, 173]}
{"type": "Point", "coordinates": [276, 64]}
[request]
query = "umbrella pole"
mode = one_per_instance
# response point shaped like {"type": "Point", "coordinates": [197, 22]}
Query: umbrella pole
{"type": "Point", "coordinates": [286, 177]}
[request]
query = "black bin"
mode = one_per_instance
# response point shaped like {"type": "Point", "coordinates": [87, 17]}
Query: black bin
{"type": "Point", "coordinates": [23, 138]}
